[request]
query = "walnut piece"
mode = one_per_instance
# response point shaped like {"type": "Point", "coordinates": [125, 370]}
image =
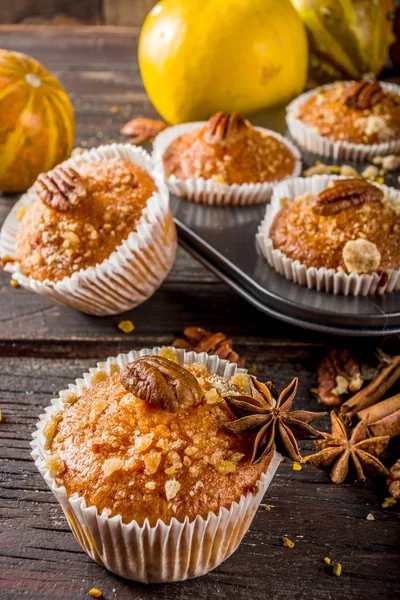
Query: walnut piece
{"type": "Point", "coordinates": [361, 256]}
{"type": "Point", "coordinates": [160, 381]}
{"type": "Point", "coordinates": [224, 128]}
{"type": "Point", "coordinates": [362, 95]}
{"type": "Point", "coordinates": [62, 189]}
{"type": "Point", "coordinates": [338, 373]}
{"type": "Point", "coordinates": [344, 194]}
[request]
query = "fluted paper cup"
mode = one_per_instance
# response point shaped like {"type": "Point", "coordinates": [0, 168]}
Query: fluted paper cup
{"type": "Point", "coordinates": [133, 272]}
{"type": "Point", "coordinates": [165, 552]}
{"type": "Point", "coordinates": [208, 191]}
{"type": "Point", "coordinates": [322, 279]}
{"type": "Point", "coordinates": [309, 139]}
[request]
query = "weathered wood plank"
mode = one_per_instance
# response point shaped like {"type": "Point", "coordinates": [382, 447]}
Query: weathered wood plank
{"type": "Point", "coordinates": [126, 12]}
{"type": "Point", "coordinates": [86, 11]}
{"type": "Point", "coordinates": [41, 560]}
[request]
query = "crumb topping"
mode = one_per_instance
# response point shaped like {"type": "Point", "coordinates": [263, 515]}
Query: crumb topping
{"type": "Point", "coordinates": [255, 157]}
{"type": "Point", "coordinates": [138, 460]}
{"type": "Point", "coordinates": [319, 241]}
{"type": "Point", "coordinates": [51, 244]}
{"type": "Point", "coordinates": [326, 113]}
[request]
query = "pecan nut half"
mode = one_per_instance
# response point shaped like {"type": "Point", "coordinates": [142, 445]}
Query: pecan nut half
{"type": "Point", "coordinates": [224, 128]}
{"type": "Point", "coordinates": [142, 129]}
{"type": "Point", "coordinates": [160, 381]}
{"type": "Point", "coordinates": [61, 189]}
{"type": "Point", "coordinates": [362, 94]}
{"type": "Point", "coordinates": [344, 194]}
{"type": "Point", "coordinates": [199, 340]}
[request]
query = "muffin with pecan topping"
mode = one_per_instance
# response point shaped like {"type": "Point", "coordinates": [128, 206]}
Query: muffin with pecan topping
{"type": "Point", "coordinates": [140, 459]}
{"type": "Point", "coordinates": [337, 234]}
{"type": "Point", "coordinates": [95, 233]}
{"type": "Point", "coordinates": [225, 160]}
{"type": "Point", "coordinates": [354, 120]}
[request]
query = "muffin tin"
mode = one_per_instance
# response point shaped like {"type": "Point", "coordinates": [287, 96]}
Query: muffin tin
{"type": "Point", "coordinates": [223, 238]}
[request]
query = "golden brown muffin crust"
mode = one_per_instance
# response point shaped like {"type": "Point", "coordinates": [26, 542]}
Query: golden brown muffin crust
{"type": "Point", "coordinates": [318, 241]}
{"type": "Point", "coordinates": [140, 461]}
{"type": "Point", "coordinates": [252, 157]}
{"type": "Point", "coordinates": [331, 118]}
{"type": "Point", "coordinates": [52, 244]}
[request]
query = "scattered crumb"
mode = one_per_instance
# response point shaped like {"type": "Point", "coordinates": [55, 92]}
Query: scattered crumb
{"type": "Point", "coordinates": [252, 369]}
{"type": "Point", "coordinates": [391, 162]}
{"type": "Point", "coordinates": [170, 354]}
{"type": "Point", "coordinates": [114, 109]}
{"type": "Point", "coordinates": [299, 536]}
{"type": "Point", "coordinates": [14, 283]}
{"type": "Point", "coordinates": [267, 507]}
{"type": "Point", "coordinates": [126, 326]}
{"type": "Point", "coordinates": [297, 466]}
{"type": "Point", "coordinates": [389, 502]}
{"type": "Point", "coordinates": [348, 171]}
{"type": "Point", "coordinates": [95, 593]}
{"type": "Point", "coordinates": [337, 569]}
{"type": "Point", "coordinates": [370, 172]}
{"type": "Point", "coordinates": [327, 560]}
{"type": "Point", "coordinates": [287, 543]}
{"type": "Point", "coordinates": [1, 416]}
{"type": "Point", "coordinates": [282, 459]}
{"type": "Point", "coordinates": [370, 517]}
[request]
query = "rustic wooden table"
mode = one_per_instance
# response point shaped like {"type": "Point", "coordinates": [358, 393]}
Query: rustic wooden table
{"type": "Point", "coordinates": [44, 346]}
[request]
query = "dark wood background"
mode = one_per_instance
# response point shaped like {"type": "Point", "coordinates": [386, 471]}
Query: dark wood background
{"type": "Point", "coordinates": [44, 346]}
{"type": "Point", "coordinates": [74, 12]}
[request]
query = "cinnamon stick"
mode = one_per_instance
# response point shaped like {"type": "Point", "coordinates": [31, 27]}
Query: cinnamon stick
{"type": "Point", "coordinates": [389, 425]}
{"type": "Point", "coordinates": [380, 410]}
{"type": "Point", "coordinates": [373, 392]}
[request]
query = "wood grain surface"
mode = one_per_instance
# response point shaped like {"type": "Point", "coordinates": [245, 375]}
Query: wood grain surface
{"type": "Point", "coordinates": [44, 346]}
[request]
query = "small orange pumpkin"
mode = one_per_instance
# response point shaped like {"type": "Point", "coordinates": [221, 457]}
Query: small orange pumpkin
{"type": "Point", "coordinates": [37, 122]}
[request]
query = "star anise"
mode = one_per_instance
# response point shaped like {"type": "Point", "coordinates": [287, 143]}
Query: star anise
{"type": "Point", "coordinates": [337, 451]}
{"type": "Point", "coordinates": [271, 420]}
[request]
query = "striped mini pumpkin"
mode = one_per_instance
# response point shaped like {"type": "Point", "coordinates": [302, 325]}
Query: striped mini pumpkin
{"type": "Point", "coordinates": [37, 122]}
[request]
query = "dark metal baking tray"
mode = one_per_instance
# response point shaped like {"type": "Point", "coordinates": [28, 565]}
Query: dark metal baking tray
{"type": "Point", "coordinates": [316, 326]}
{"type": "Point", "coordinates": [224, 239]}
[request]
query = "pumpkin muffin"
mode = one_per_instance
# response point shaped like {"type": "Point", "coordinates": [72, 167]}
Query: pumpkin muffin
{"type": "Point", "coordinates": [149, 443]}
{"type": "Point", "coordinates": [334, 234]}
{"type": "Point", "coordinates": [224, 160]}
{"type": "Point", "coordinates": [80, 216]}
{"type": "Point", "coordinates": [160, 459]}
{"type": "Point", "coordinates": [354, 120]}
{"type": "Point", "coordinates": [228, 150]}
{"type": "Point", "coordinates": [361, 112]}
{"type": "Point", "coordinates": [351, 226]}
{"type": "Point", "coordinates": [96, 233]}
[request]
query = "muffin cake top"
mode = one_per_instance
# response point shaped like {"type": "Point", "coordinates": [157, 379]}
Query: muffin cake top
{"type": "Point", "coordinates": [80, 216]}
{"type": "Point", "coordinates": [228, 150]}
{"type": "Point", "coordinates": [351, 226]}
{"type": "Point", "coordinates": [149, 442]}
{"type": "Point", "coordinates": [361, 112]}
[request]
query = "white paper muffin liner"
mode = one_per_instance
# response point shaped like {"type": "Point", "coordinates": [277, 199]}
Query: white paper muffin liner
{"type": "Point", "coordinates": [322, 279]}
{"type": "Point", "coordinates": [173, 552]}
{"type": "Point", "coordinates": [136, 268]}
{"type": "Point", "coordinates": [309, 139]}
{"type": "Point", "coordinates": [209, 192]}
